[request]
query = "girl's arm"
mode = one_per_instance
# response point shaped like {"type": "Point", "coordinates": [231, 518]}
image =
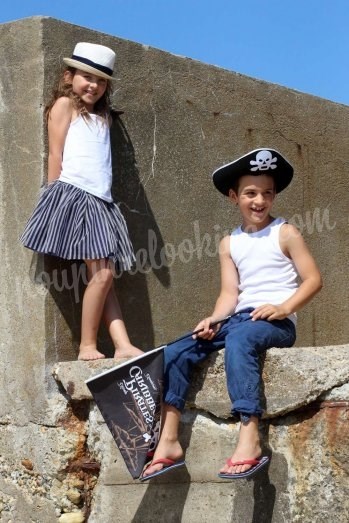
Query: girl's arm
{"type": "Point", "coordinates": [293, 245]}
{"type": "Point", "coordinates": [58, 124]}
{"type": "Point", "coordinates": [227, 299]}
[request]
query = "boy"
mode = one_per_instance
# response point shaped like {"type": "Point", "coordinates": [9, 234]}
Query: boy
{"type": "Point", "coordinates": [261, 262]}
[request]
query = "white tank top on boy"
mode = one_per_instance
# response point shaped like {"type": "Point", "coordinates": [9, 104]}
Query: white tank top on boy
{"type": "Point", "coordinates": [87, 157]}
{"type": "Point", "coordinates": [268, 275]}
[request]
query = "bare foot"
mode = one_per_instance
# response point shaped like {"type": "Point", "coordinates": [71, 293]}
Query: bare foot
{"type": "Point", "coordinates": [248, 447]}
{"type": "Point", "coordinates": [170, 449]}
{"type": "Point", "coordinates": [89, 353]}
{"type": "Point", "coordinates": [242, 454]}
{"type": "Point", "coordinates": [128, 351]}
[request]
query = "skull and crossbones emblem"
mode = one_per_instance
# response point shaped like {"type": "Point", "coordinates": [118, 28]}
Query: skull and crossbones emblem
{"type": "Point", "coordinates": [146, 437]}
{"type": "Point", "coordinates": [264, 161]}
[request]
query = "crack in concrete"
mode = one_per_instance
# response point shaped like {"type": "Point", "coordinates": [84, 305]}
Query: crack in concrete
{"type": "Point", "coordinates": [152, 172]}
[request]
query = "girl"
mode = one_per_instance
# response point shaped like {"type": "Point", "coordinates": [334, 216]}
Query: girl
{"type": "Point", "coordinates": [75, 217]}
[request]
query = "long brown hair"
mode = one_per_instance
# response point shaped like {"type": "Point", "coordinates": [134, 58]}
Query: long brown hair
{"type": "Point", "coordinates": [63, 88]}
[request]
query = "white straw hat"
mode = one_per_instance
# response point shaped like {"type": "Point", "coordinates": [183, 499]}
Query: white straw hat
{"type": "Point", "coordinates": [93, 58]}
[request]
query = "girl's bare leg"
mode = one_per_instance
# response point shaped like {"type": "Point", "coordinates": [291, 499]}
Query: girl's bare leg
{"type": "Point", "coordinates": [168, 446]}
{"type": "Point", "coordinates": [113, 319]}
{"type": "Point", "coordinates": [100, 280]}
{"type": "Point", "coordinates": [248, 446]}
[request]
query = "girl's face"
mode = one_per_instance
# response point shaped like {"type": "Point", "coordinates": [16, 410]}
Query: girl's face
{"type": "Point", "coordinates": [89, 87]}
{"type": "Point", "coordinates": [255, 198]}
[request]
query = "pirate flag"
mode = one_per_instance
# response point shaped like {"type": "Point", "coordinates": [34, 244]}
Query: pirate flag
{"type": "Point", "coordinates": [129, 398]}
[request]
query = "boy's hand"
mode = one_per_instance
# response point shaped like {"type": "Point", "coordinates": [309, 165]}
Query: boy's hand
{"type": "Point", "coordinates": [269, 312]}
{"type": "Point", "coordinates": [207, 332]}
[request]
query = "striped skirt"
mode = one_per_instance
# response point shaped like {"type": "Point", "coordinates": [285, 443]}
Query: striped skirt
{"type": "Point", "coordinates": [71, 223]}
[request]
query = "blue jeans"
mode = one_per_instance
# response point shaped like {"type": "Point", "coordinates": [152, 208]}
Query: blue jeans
{"type": "Point", "coordinates": [244, 341]}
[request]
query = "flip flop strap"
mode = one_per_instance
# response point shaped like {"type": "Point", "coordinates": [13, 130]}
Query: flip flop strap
{"type": "Point", "coordinates": [243, 462]}
{"type": "Point", "coordinates": [163, 461]}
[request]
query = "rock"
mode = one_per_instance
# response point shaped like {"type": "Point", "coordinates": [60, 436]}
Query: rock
{"type": "Point", "coordinates": [337, 394]}
{"type": "Point", "coordinates": [72, 375]}
{"type": "Point", "coordinates": [74, 496]}
{"type": "Point", "coordinates": [72, 517]}
{"type": "Point", "coordinates": [77, 483]}
{"type": "Point", "coordinates": [292, 377]}
{"type": "Point", "coordinates": [27, 464]}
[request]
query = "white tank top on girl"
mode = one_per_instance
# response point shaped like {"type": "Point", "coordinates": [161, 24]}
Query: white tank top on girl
{"type": "Point", "coordinates": [266, 275]}
{"type": "Point", "coordinates": [87, 157]}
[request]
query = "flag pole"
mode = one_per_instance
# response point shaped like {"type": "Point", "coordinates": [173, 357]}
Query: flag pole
{"type": "Point", "coordinates": [196, 332]}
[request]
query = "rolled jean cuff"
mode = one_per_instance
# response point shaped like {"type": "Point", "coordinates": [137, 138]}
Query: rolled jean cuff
{"type": "Point", "coordinates": [174, 401]}
{"type": "Point", "coordinates": [247, 408]}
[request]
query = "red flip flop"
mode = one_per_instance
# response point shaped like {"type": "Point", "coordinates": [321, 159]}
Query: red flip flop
{"type": "Point", "coordinates": [168, 464]}
{"type": "Point", "coordinates": [257, 464]}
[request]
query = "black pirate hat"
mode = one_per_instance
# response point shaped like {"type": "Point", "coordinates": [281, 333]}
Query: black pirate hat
{"type": "Point", "coordinates": [258, 161]}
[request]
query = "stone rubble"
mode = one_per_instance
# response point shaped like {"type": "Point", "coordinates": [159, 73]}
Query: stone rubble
{"type": "Point", "coordinates": [65, 495]}
{"type": "Point", "coordinates": [72, 517]}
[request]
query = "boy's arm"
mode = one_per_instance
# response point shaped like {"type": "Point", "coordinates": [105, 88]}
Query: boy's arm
{"type": "Point", "coordinates": [58, 124]}
{"type": "Point", "coordinates": [293, 245]}
{"type": "Point", "coordinates": [227, 299]}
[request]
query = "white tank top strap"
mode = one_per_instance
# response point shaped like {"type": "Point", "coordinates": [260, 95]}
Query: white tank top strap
{"type": "Point", "coordinates": [87, 156]}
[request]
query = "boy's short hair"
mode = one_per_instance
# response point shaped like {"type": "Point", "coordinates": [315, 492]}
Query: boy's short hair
{"type": "Point", "coordinates": [236, 182]}
{"type": "Point", "coordinates": [256, 162]}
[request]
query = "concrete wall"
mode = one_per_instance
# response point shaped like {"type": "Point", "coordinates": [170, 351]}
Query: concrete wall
{"type": "Point", "coordinates": [181, 120]}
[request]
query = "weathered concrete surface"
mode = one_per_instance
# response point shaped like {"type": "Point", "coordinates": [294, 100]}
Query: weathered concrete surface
{"type": "Point", "coordinates": [166, 145]}
{"type": "Point", "coordinates": [306, 481]}
{"type": "Point", "coordinates": [292, 378]}
{"type": "Point", "coordinates": [46, 470]}
{"type": "Point", "coordinates": [181, 120]}
{"type": "Point", "coordinates": [22, 304]}
{"type": "Point", "coordinates": [16, 505]}
{"type": "Point", "coordinates": [72, 375]}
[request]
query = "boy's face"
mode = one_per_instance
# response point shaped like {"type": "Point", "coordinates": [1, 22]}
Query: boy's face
{"type": "Point", "coordinates": [255, 199]}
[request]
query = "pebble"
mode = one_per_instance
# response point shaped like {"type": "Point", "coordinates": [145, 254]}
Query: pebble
{"type": "Point", "coordinates": [74, 496]}
{"type": "Point", "coordinates": [27, 464]}
{"type": "Point", "coordinates": [78, 483]}
{"type": "Point", "coordinates": [72, 517]}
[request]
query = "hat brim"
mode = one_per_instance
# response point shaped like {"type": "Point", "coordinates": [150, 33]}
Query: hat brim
{"type": "Point", "coordinates": [225, 177]}
{"type": "Point", "coordinates": [88, 68]}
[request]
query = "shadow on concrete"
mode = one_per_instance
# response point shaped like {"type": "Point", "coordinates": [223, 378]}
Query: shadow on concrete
{"type": "Point", "coordinates": [264, 495]}
{"type": "Point", "coordinates": [164, 501]}
{"type": "Point", "coordinates": [264, 492]}
{"type": "Point", "coordinates": [198, 376]}
{"type": "Point", "coordinates": [145, 235]}
{"type": "Point", "coordinates": [158, 502]}
{"type": "Point", "coordinates": [263, 397]}
{"type": "Point", "coordinates": [65, 283]}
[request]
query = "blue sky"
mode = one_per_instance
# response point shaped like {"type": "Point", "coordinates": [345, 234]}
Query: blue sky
{"type": "Point", "coordinates": [302, 44]}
